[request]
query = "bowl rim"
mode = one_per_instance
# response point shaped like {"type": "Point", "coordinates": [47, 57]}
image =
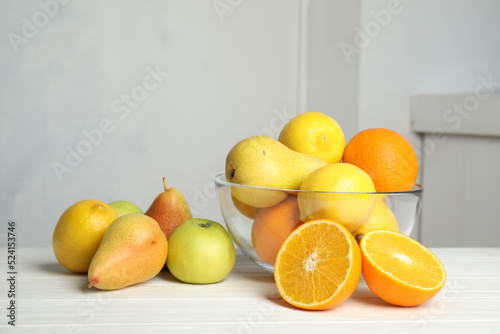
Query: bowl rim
{"type": "Point", "coordinates": [220, 180]}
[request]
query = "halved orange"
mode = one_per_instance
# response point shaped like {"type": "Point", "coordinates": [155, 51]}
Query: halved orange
{"type": "Point", "coordinates": [318, 266]}
{"type": "Point", "coordinates": [399, 269]}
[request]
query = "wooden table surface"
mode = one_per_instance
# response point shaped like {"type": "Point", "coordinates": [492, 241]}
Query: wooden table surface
{"type": "Point", "coordinates": [50, 299]}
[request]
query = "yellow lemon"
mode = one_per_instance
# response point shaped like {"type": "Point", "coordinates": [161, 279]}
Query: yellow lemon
{"type": "Point", "coordinates": [381, 218]}
{"type": "Point", "coordinates": [79, 232]}
{"type": "Point", "coordinates": [338, 192]}
{"type": "Point", "coordinates": [316, 134]}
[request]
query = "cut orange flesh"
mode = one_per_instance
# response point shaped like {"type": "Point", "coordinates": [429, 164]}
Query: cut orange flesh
{"type": "Point", "coordinates": [318, 266]}
{"type": "Point", "coordinates": [399, 269]}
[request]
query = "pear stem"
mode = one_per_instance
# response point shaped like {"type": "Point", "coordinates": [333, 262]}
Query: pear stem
{"type": "Point", "coordinates": [165, 184]}
{"type": "Point", "coordinates": [91, 284]}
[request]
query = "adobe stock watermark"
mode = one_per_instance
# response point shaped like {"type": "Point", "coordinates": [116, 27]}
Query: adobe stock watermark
{"type": "Point", "coordinates": [203, 197]}
{"type": "Point", "coordinates": [276, 123]}
{"type": "Point", "coordinates": [87, 311]}
{"type": "Point", "coordinates": [122, 107]}
{"type": "Point", "coordinates": [222, 7]}
{"type": "Point", "coordinates": [423, 316]}
{"type": "Point", "coordinates": [456, 114]}
{"type": "Point", "coordinates": [462, 111]}
{"type": "Point", "coordinates": [263, 310]}
{"type": "Point", "coordinates": [30, 27]}
{"type": "Point", "coordinates": [381, 19]}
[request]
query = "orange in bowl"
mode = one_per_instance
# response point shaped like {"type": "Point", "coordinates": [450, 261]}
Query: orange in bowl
{"type": "Point", "coordinates": [386, 156]}
{"type": "Point", "coordinates": [272, 226]}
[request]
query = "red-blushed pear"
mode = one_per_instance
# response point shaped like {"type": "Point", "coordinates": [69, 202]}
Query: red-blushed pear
{"type": "Point", "coordinates": [133, 250]}
{"type": "Point", "coordinates": [169, 209]}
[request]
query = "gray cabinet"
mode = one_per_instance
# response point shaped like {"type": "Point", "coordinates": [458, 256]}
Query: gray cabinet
{"type": "Point", "coordinates": [460, 168]}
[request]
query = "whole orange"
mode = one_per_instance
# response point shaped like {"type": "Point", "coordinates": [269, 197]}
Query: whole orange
{"type": "Point", "coordinates": [272, 225]}
{"type": "Point", "coordinates": [386, 156]}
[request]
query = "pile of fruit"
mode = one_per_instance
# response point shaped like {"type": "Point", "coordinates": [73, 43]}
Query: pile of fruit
{"type": "Point", "coordinates": [324, 220]}
{"type": "Point", "coordinates": [118, 245]}
{"type": "Point", "coordinates": [322, 225]}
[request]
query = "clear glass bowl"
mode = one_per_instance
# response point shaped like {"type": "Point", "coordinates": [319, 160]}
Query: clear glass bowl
{"type": "Point", "coordinates": [345, 207]}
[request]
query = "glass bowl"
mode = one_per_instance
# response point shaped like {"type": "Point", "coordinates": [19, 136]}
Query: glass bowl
{"type": "Point", "coordinates": [286, 209]}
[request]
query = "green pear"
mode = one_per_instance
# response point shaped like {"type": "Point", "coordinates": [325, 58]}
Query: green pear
{"type": "Point", "coordinates": [124, 207]}
{"type": "Point", "coordinates": [133, 250]}
{"type": "Point", "coordinates": [265, 162]}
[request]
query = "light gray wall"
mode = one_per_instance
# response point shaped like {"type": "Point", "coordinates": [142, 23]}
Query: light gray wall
{"type": "Point", "coordinates": [233, 71]}
{"type": "Point", "coordinates": [333, 81]}
{"type": "Point", "coordinates": [426, 47]}
{"type": "Point", "coordinates": [444, 47]}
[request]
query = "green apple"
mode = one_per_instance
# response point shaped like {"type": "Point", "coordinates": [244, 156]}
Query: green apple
{"type": "Point", "coordinates": [200, 251]}
{"type": "Point", "coordinates": [124, 207]}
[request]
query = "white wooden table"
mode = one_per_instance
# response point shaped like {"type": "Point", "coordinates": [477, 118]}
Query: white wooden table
{"type": "Point", "coordinates": [50, 299]}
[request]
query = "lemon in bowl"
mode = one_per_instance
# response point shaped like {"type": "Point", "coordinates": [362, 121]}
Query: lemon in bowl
{"type": "Point", "coordinates": [335, 192]}
{"type": "Point", "coordinates": [316, 134]}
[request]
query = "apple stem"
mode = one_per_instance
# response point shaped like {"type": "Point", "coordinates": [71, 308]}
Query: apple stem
{"type": "Point", "coordinates": [165, 184]}
{"type": "Point", "coordinates": [204, 225]}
